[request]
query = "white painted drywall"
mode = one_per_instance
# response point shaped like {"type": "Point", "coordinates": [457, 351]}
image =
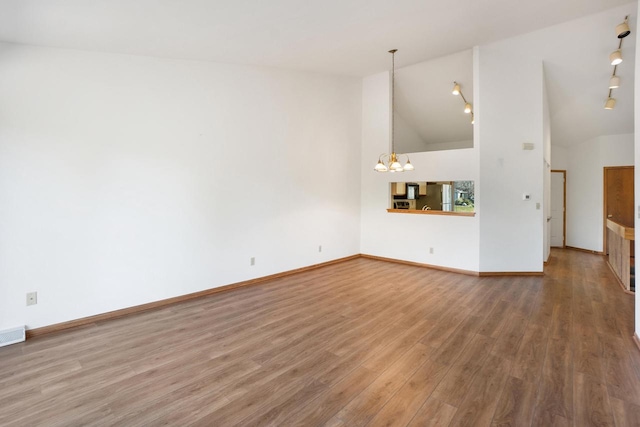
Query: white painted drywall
{"type": "Point", "coordinates": [511, 229]}
{"type": "Point", "coordinates": [424, 102]}
{"type": "Point", "coordinates": [584, 164]}
{"type": "Point", "coordinates": [546, 130]}
{"type": "Point", "coordinates": [126, 180]}
{"type": "Point", "coordinates": [559, 157]}
{"type": "Point", "coordinates": [405, 236]}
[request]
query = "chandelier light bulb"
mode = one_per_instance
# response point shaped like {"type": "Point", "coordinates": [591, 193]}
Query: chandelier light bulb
{"type": "Point", "coordinates": [380, 167]}
{"type": "Point", "coordinates": [467, 108]}
{"type": "Point", "coordinates": [456, 89]}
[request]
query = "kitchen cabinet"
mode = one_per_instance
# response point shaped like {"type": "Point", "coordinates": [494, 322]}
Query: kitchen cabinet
{"type": "Point", "coordinates": [399, 188]}
{"type": "Point", "coordinates": [422, 189]}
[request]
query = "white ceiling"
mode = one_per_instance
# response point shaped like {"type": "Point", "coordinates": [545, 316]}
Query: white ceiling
{"type": "Point", "coordinates": [351, 37]}
{"type": "Point", "coordinates": [334, 36]}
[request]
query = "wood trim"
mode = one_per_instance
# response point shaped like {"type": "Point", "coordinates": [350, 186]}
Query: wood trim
{"type": "Point", "coordinates": [430, 212]}
{"type": "Point", "coordinates": [45, 330]}
{"type": "Point", "coordinates": [510, 273]}
{"type": "Point", "coordinates": [624, 288]}
{"type": "Point", "coordinates": [604, 203]}
{"type": "Point", "coordinates": [418, 264]}
{"type": "Point", "coordinates": [626, 233]}
{"type": "Point", "coordinates": [589, 251]}
{"type": "Point", "coordinates": [564, 205]}
{"type": "Point", "coordinates": [455, 270]}
{"type": "Point", "coordinates": [636, 340]}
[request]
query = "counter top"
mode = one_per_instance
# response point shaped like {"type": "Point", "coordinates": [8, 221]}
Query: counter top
{"type": "Point", "coordinates": [430, 212]}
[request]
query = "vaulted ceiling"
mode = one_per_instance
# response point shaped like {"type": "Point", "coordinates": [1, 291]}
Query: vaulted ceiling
{"type": "Point", "coordinates": [351, 37]}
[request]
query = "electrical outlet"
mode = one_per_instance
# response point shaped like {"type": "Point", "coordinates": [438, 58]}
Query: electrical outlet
{"type": "Point", "coordinates": [32, 298]}
{"type": "Point", "coordinates": [253, 260]}
{"type": "Point", "coordinates": [431, 251]}
{"type": "Point", "coordinates": [319, 248]}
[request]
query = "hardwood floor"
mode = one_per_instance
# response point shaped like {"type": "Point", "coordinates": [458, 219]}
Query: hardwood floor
{"type": "Point", "coordinates": [358, 343]}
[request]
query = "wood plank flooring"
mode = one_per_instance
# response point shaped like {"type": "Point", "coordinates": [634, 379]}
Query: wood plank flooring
{"type": "Point", "coordinates": [360, 343]}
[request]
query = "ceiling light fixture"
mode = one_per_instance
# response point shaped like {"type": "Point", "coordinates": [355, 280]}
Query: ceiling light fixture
{"type": "Point", "coordinates": [467, 105]}
{"type": "Point", "coordinates": [391, 162]}
{"type": "Point", "coordinates": [622, 31]}
{"type": "Point", "coordinates": [610, 104]}
{"type": "Point", "coordinates": [616, 56]}
{"type": "Point", "coordinates": [614, 82]}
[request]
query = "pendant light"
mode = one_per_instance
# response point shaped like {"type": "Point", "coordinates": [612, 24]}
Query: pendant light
{"type": "Point", "coordinates": [391, 162]}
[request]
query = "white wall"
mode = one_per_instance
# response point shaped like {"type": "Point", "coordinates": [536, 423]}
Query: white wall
{"type": "Point", "coordinates": [559, 157]}
{"type": "Point", "coordinates": [584, 164]}
{"type": "Point", "coordinates": [546, 129]}
{"type": "Point", "coordinates": [126, 180]}
{"type": "Point", "coordinates": [404, 236]}
{"type": "Point", "coordinates": [511, 230]}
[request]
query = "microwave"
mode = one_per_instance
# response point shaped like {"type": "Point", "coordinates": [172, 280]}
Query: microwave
{"type": "Point", "coordinates": [404, 204]}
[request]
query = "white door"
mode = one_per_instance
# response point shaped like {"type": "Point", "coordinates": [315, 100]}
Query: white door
{"type": "Point", "coordinates": [557, 209]}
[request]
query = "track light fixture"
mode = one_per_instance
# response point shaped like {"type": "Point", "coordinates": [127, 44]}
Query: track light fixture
{"type": "Point", "coordinates": [391, 162]}
{"type": "Point", "coordinates": [614, 82]}
{"type": "Point", "coordinates": [610, 104]}
{"type": "Point", "coordinates": [467, 106]}
{"type": "Point", "coordinates": [615, 57]}
{"type": "Point", "coordinates": [622, 31]}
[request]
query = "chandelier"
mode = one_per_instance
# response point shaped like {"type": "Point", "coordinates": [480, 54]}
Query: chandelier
{"type": "Point", "coordinates": [391, 162]}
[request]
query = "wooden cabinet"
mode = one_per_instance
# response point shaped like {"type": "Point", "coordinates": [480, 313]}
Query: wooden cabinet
{"type": "Point", "coordinates": [422, 188]}
{"type": "Point", "coordinates": [399, 188]}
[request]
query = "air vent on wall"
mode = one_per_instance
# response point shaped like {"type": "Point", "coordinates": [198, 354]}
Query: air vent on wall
{"type": "Point", "coordinates": [12, 336]}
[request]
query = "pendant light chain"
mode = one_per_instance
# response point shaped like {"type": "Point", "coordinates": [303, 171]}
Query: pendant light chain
{"type": "Point", "coordinates": [393, 99]}
{"type": "Point", "coordinates": [391, 162]}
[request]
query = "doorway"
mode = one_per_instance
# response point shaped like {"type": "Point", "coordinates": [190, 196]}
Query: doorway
{"type": "Point", "coordinates": [558, 208]}
{"type": "Point", "coordinates": [618, 198]}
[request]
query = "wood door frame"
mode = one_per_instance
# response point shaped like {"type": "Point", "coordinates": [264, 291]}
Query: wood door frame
{"type": "Point", "coordinates": [604, 203]}
{"type": "Point", "coordinates": [564, 206]}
